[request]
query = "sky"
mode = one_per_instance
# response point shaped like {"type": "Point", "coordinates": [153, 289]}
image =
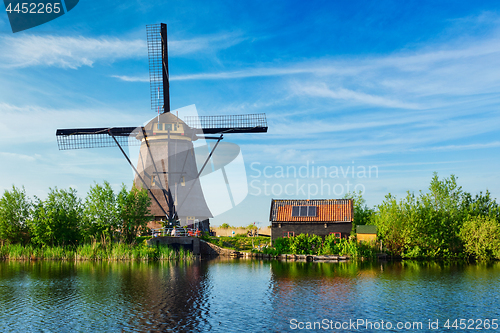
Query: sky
{"type": "Point", "coordinates": [359, 96]}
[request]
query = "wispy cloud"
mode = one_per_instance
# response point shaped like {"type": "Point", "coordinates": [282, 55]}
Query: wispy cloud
{"type": "Point", "coordinates": [127, 78]}
{"type": "Point", "coordinates": [39, 124]}
{"type": "Point", "coordinates": [398, 80]}
{"type": "Point", "coordinates": [204, 44]}
{"type": "Point", "coordinates": [321, 90]}
{"type": "Point", "coordinates": [66, 52]}
{"type": "Point", "coordinates": [73, 52]}
{"type": "Point", "coordinates": [252, 72]}
{"type": "Point", "coordinates": [488, 145]}
{"type": "Point", "coordinates": [257, 72]}
{"type": "Point", "coordinates": [16, 156]}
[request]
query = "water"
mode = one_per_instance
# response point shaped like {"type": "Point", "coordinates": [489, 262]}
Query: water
{"type": "Point", "coordinates": [245, 296]}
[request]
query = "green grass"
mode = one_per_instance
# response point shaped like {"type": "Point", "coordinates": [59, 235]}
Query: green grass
{"type": "Point", "coordinates": [239, 242]}
{"type": "Point", "coordinates": [94, 251]}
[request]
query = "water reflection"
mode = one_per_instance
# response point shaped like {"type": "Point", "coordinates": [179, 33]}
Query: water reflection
{"type": "Point", "coordinates": [237, 295]}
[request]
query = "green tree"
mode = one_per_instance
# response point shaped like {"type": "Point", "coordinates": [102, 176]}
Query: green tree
{"type": "Point", "coordinates": [134, 212]}
{"type": "Point", "coordinates": [101, 215]}
{"type": "Point", "coordinates": [481, 205]}
{"type": "Point", "coordinates": [362, 214]}
{"type": "Point", "coordinates": [225, 226]}
{"type": "Point", "coordinates": [392, 227]}
{"type": "Point", "coordinates": [56, 220]}
{"type": "Point", "coordinates": [444, 201]}
{"type": "Point", "coordinates": [430, 224]}
{"type": "Point", "coordinates": [15, 212]}
{"type": "Point", "coordinates": [481, 237]}
{"type": "Point", "coordinates": [251, 226]}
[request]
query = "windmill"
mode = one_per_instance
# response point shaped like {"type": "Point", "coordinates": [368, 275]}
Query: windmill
{"type": "Point", "coordinates": [166, 165]}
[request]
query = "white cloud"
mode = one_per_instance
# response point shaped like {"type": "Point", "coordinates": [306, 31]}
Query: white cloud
{"type": "Point", "coordinates": [127, 78]}
{"type": "Point", "coordinates": [15, 156]}
{"type": "Point", "coordinates": [29, 124]}
{"type": "Point", "coordinates": [253, 72]}
{"type": "Point", "coordinates": [399, 80]}
{"type": "Point", "coordinates": [474, 146]}
{"type": "Point", "coordinates": [205, 44]}
{"type": "Point", "coordinates": [321, 90]}
{"type": "Point", "coordinates": [66, 52]}
{"type": "Point", "coordinates": [72, 52]}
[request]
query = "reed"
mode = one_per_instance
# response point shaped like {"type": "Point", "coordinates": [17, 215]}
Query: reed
{"type": "Point", "coordinates": [94, 251]}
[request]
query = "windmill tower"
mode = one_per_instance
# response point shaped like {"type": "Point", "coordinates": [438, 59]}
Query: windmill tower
{"type": "Point", "coordinates": [166, 165]}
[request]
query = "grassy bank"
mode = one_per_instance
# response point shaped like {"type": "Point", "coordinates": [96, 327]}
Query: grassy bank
{"type": "Point", "coordinates": [239, 242]}
{"type": "Point", "coordinates": [300, 244]}
{"type": "Point", "coordinates": [315, 245]}
{"type": "Point", "coordinates": [94, 251]}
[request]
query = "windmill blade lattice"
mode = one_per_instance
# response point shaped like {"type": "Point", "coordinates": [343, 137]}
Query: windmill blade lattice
{"type": "Point", "coordinates": [158, 67]}
{"type": "Point", "coordinates": [244, 123]}
{"type": "Point", "coordinates": [82, 138]}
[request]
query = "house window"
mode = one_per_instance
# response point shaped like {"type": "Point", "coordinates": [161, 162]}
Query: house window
{"type": "Point", "coordinates": [337, 234]}
{"type": "Point", "coordinates": [168, 127]}
{"type": "Point", "coordinates": [159, 127]}
{"type": "Point", "coordinates": [299, 211]}
{"type": "Point", "coordinates": [288, 234]}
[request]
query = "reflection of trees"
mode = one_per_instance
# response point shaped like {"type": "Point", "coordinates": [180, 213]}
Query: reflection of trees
{"type": "Point", "coordinates": [101, 296]}
{"type": "Point", "coordinates": [305, 285]}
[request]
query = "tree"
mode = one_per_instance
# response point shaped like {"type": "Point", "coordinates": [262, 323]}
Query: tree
{"type": "Point", "coordinates": [15, 211]}
{"type": "Point", "coordinates": [101, 215]}
{"type": "Point", "coordinates": [362, 214]}
{"type": "Point", "coordinates": [134, 212]}
{"type": "Point", "coordinates": [56, 220]}
{"type": "Point", "coordinates": [430, 224]}
{"type": "Point", "coordinates": [252, 226]}
{"type": "Point", "coordinates": [481, 237]}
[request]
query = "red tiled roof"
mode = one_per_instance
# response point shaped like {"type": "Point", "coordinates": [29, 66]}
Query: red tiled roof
{"type": "Point", "coordinates": [328, 210]}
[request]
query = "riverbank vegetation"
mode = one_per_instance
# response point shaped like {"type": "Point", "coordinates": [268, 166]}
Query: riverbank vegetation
{"type": "Point", "coordinates": [103, 226]}
{"type": "Point", "coordinates": [315, 245]}
{"type": "Point", "coordinates": [443, 223]}
{"type": "Point", "coordinates": [95, 251]}
{"type": "Point", "coordinates": [239, 242]}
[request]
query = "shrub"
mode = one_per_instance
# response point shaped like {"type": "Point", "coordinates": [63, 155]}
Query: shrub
{"type": "Point", "coordinates": [305, 244]}
{"type": "Point", "coordinates": [481, 237]}
{"type": "Point", "coordinates": [282, 245]}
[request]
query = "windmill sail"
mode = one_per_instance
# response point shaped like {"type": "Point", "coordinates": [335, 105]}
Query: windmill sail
{"type": "Point", "coordinates": [158, 67]}
{"type": "Point", "coordinates": [167, 164]}
{"type": "Point", "coordinates": [81, 138]}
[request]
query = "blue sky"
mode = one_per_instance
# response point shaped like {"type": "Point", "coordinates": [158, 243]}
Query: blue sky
{"type": "Point", "coordinates": [399, 88]}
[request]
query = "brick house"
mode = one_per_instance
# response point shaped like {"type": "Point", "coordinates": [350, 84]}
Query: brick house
{"type": "Point", "coordinates": [314, 217]}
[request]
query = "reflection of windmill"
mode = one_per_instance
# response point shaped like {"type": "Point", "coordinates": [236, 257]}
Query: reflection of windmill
{"type": "Point", "coordinates": [166, 164]}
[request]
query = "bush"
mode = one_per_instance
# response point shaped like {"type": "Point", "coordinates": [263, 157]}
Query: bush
{"type": "Point", "coordinates": [305, 244]}
{"type": "Point", "coordinates": [282, 245]}
{"type": "Point", "coordinates": [481, 237]}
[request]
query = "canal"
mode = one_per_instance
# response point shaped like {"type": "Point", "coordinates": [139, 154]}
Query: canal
{"type": "Point", "coordinates": [235, 295]}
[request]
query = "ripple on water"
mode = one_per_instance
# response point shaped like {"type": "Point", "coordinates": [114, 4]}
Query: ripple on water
{"type": "Point", "coordinates": [235, 296]}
